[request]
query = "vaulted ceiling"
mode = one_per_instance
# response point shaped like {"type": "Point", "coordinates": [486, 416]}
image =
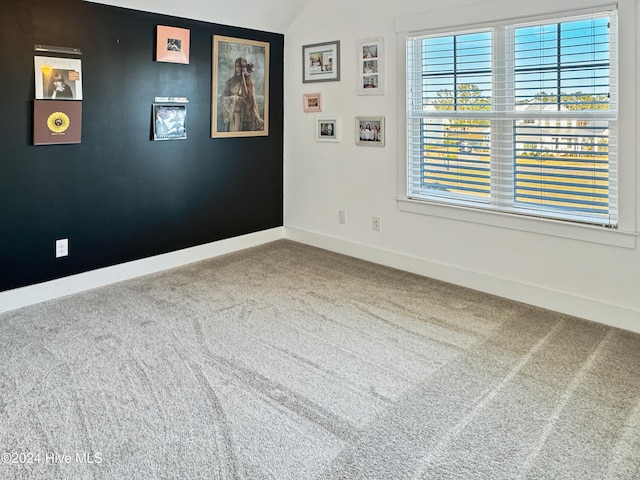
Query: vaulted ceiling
{"type": "Point", "coordinates": [268, 15]}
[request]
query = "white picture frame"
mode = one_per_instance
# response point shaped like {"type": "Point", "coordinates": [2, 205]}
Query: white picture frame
{"type": "Point", "coordinates": [371, 72]}
{"type": "Point", "coordinates": [327, 128]}
{"type": "Point", "coordinates": [370, 131]}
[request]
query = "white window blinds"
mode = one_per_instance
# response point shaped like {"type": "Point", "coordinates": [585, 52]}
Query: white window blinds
{"type": "Point", "coordinates": [517, 118]}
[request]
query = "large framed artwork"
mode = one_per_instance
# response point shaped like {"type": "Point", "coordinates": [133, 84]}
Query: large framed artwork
{"type": "Point", "coordinates": [240, 88]}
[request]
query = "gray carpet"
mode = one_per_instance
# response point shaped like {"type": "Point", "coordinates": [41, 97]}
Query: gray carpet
{"type": "Point", "coordinates": [289, 362]}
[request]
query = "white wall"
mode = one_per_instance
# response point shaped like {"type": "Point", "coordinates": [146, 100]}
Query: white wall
{"type": "Point", "coordinates": [588, 278]}
{"type": "Point", "coordinates": [272, 16]}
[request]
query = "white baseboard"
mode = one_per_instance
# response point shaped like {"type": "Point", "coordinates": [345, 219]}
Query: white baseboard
{"type": "Point", "coordinates": [589, 309]}
{"type": "Point", "coordinates": [605, 313]}
{"type": "Point", "coordinates": [21, 297]}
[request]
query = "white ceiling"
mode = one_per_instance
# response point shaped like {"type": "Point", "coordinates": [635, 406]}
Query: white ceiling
{"type": "Point", "coordinates": [267, 15]}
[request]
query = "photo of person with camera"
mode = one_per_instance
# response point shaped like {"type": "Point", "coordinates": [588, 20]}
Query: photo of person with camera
{"type": "Point", "coordinates": [238, 104]}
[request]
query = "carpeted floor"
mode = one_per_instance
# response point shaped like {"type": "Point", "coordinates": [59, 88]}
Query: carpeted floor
{"type": "Point", "coordinates": [287, 362]}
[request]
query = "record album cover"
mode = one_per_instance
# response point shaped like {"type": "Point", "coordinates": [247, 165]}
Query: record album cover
{"type": "Point", "coordinates": [56, 121]}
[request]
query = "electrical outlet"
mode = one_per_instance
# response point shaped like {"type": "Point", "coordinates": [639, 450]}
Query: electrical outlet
{"type": "Point", "coordinates": [342, 216]}
{"type": "Point", "coordinates": [62, 247]}
{"type": "Point", "coordinates": [375, 224]}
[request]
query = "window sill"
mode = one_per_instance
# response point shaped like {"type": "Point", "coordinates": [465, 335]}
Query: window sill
{"type": "Point", "coordinates": [541, 226]}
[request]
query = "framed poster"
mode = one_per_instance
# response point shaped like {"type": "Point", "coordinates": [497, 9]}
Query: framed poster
{"type": "Point", "coordinates": [172, 44]}
{"type": "Point", "coordinates": [370, 55]}
{"type": "Point", "coordinates": [58, 78]}
{"type": "Point", "coordinates": [169, 122]}
{"type": "Point", "coordinates": [321, 62]}
{"type": "Point", "coordinates": [240, 88]}
{"type": "Point", "coordinates": [56, 122]}
{"type": "Point", "coordinates": [327, 129]}
{"type": "Point", "coordinates": [312, 102]}
{"type": "Point", "coordinates": [370, 131]}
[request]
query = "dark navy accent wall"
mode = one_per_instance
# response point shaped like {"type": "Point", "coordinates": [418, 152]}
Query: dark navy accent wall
{"type": "Point", "coordinates": [118, 196]}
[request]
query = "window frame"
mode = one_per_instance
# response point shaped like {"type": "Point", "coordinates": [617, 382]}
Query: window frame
{"type": "Point", "coordinates": [442, 22]}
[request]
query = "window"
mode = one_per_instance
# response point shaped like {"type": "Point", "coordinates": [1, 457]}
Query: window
{"type": "Point", "coordinates": [519, 118]}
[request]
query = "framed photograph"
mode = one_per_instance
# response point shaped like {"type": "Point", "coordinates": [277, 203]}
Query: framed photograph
{"type": "Point", "coordinates": [58, 78]}
{"type": "Point", "coordinates": [172, 44]}
{"type": "Point", "coordinates": [169, 122]}
{"type": "Point", "coordinates": [312, 102]}
{"type": "Point", "coordinates": [370, 55]}
{"type": "Point", "coordinates": [321, 62]}
{"type": "Point", "coordinates": [240, 84]}
{"type": "Point", "coordinates": [327, 129]}
{"type": "Point", "coordinates": [370, 131]}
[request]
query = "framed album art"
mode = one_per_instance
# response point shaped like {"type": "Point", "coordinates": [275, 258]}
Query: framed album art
{"type": "Point", "coordinates": [56, 122]}
{"type": "Point", "coordinates": [58, 78]}
{"type": "Point", "coordinates": [169, 122]}
{"type": "Point", "coordinates": [172, 44]}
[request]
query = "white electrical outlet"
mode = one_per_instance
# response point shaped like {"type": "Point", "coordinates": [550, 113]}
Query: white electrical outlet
{"type": "Point", "coordinates": [62, 247]}
{"type": "Point", "coordinates": [375, 224]}
{"type": "Point", "coordinates": [342, 216]}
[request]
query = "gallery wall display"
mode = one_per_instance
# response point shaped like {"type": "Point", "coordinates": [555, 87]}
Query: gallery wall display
{"type": "Point", "coordinates": [327, 129]}
{"type": "Point", "coordinates": [312, 102]}
{"type": "Point", "coordinates": [172, 44]}
{"type": "Point", "coordinates": [370, 131]}
{"type": "Point", "coordinates": [321, 62]}
{"type": "Point", "coordinates": [370, 56]}
{"type": "Point", "coordinates": [145, 197]}
{"type": "Point", "coordinates": [240, 88]}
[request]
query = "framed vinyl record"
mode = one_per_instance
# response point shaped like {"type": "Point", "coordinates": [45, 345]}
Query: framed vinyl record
{"type": "Point", "coordinates": [57, 121]}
